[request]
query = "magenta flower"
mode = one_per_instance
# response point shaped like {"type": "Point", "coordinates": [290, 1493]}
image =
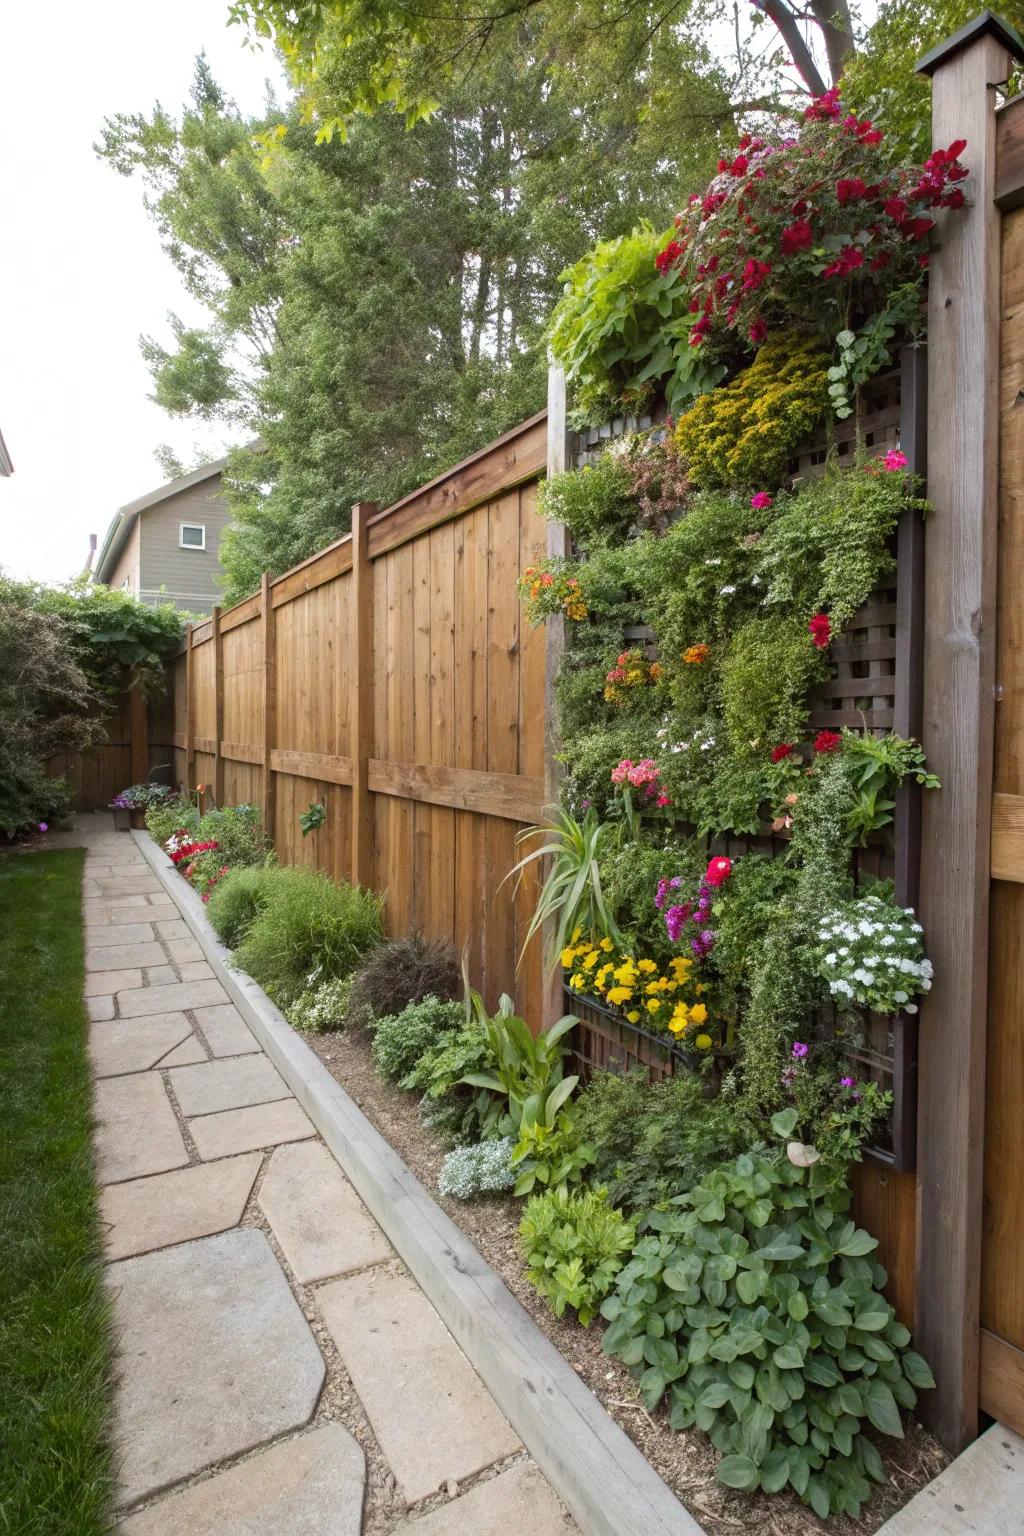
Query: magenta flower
{"type": "Point", "coordinates": [799, 1050]}
{"type": "Point", "coordinates": [895, 460]}
{"type": "Point", "coordinates": [761, 501]}
{"type": "Point", "coordinates": [44, 826]}
{"type": "Point", "coordinates": [848, 1082]}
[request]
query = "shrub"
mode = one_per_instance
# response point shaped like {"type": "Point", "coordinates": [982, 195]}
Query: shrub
{"type": "Point", "coordinates": [400, 1039]}
{"type": "Point", "coordinates": [238, 898]}
{"type": "Point", "coordinates": [744, 433]}
{"type": "Point", "coordinates": [754, 1306]}
{"type": "Point", "coordinates": [653, 1140]}
{"type": "Point", "coordinates": [322, 1009]}
{"type": "Point", "coordinates": [308, 929]}
{"type": "Point", "coordinates": [574, 1246]}
{"type": "Point", "coordinates": [403, 971]}
{"type": "Point", "coordinates": [175, 814]}
{"type": "Point", "coordinates": [237, 831]}
{"type": "Point", "coordinates": [595, 503]}
{"type": "Point", "coordinates": [483, 1169]}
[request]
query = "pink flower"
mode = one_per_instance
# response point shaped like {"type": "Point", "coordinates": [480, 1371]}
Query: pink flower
{"type": "Point", "coordinates": [620, 773]}
{"type": "Point", "coordinates": [758, 332]}
{"type": "Point", "coordinates": [718, 871]}
{"type": "Point", "coordinates": [761, 501]}
{"type": "Point", "coordinates": [894, 460]}
{"type": "Point", "coordinates": [663, 800]}
{"type": "Point", "coordinates": [799, 1050]}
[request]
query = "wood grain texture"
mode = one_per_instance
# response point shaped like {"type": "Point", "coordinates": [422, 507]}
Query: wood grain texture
{"type": "Point", "coordinates": [269, 711]}
{"type": "Point", "coordinates": [1008, 837]}
{"type": "Point", "coordinates": [190, 704]}
{"type": "Point", "coordinates": [959, 672]}
{"type": "Point", "coordinates": [361, 674]}
{"type": "Point", "coordinates": [558, 548]}
{"type": "Point", "coordinates": [508, 796]}
{"type": "Point", "coordinates": [1002, 1381]}
{"type": "Point", "coordinates": [324, 767]}
{"type": "Point", "coordinates": [218, 705]}
{"type": "Point", "coordinates": [1009, 181]}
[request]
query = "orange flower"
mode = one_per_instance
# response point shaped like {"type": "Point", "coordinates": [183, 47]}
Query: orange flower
{"type": "Point", "coordinates": [696, 655]}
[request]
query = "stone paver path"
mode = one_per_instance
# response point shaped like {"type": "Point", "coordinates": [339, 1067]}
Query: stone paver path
{"type": "Point", "coordinates": [279, 1372]}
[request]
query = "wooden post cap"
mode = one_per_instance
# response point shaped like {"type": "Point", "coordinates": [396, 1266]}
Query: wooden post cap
{"type": "Point", "coordinates": [985, 24]}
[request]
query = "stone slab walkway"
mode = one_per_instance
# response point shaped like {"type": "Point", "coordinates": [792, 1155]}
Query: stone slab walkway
{"type": "Point", "coordinates": [279, 1372]}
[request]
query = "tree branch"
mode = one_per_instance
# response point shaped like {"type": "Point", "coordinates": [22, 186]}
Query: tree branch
{"type": "Point", "coordinates": [779, 13]}
{"type": "Point", "coordinates": [833, 17]}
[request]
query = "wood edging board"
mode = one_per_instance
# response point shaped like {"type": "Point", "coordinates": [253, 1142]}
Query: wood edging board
{"type": "Point", "coordinates": [593, 1466]}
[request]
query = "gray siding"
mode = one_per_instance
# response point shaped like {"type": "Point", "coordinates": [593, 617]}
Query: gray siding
{"type": "Point", "coordinates": [187, 577]}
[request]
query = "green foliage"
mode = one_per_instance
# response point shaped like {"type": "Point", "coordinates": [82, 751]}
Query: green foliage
{"type": "Point", "coordinates": [402, 971]}
{"type": "Point", "coordinates": [744, 433]}
{"type": "Point", "coordinates": [314, 818]}
{"type": "Point", "coordinates": [456, 1111]}
{"type": "Point", "coordinates": [481, 1169]}
{"type": "Point", "coordinates": [175, 814]}
{"type": "Point", "coordinates": [323, 1009]}
{"type": "Point", "coordinates": [767, 674]}
{"type": "Point", "coordinates": [571, 897]}
{"type": "Point", "coordinates": [574, 1245]}
{"type": "Point", "coordinates": [549, 1153]}
{"type": "Point", "coordinates": [527, 1068]}
{"type": "Point", "coordinates": [754, 1307]}
{"type": "Point", "coordinates": [401, 1039]}
{"type": "Point", "coordinates": [306, 929]}
{"type": "Point", "coordinates": [653, 1140]}
{"type": "Point", "coordinates": [622, 327]}
{"type": "Point", "coordinates": [238, 833]}
{"type": "Point", "coordinates": [118, 641]}
{"type": "Point", "coordinates": [57, 1351]}
{"type": "Point", "coordinates": [594, 503]}
{"type": "Point", "coordinates": [869, 349]}
{"type": "Point", "coordinates": [879, 766]}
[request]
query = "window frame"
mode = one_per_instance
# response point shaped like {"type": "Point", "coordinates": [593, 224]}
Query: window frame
{"type": "Point", "coordinates": [198, 548]}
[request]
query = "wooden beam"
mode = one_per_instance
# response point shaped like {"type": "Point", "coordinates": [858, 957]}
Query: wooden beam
{"type": "Point", "coordinates": [333, 561]}
{"type": "Point", "coordinates": [1008, 837]}
{"type": "Point", "coordinates": [190, 711]}
{"type": "Point", "coordinates": [512, 796]}
{"type": "Point", "coordinates": [959, 660]}
{"type": "Point", "coordinates": [325, 767]}
{"type": "Point", "coordinates": [241, 752]}
{"type": "Point", "coordinates": [560, 448]}
{"type": "Point", "coordinates": [218, 707]}
{"type": "Point", "coordinates": [1009, 191]}
{"type": "Point", "coordinates": [204, 744]}
{"type": "Point", "coordinates": [139, 723]}
{"type": "Point", "coordinates": [268, 795]}
{"type": "Point", "coordinates": [1002, 1381]}
{"type": "Point", "coordinates": [361, 664]}
{"type": "Point", "coordinates": [242, 613]}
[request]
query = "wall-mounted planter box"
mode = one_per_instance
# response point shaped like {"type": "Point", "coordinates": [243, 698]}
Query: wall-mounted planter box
{"type": "Point", "coordinates": [604, 1041]}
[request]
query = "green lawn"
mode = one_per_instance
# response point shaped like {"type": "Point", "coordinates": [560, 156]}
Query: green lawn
{"type": "Point", "coordinates": [55, 1465]}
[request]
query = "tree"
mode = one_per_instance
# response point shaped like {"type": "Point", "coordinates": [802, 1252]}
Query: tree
{"type": "Point", "coordinates": [376, 301]}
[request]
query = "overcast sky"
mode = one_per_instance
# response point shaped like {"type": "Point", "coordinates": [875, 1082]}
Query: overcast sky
{"type": "Point", "coordinates": [81, 270]}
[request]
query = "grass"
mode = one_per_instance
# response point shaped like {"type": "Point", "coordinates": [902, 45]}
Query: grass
{"type": "Point", "coordinates": [55, 1381]}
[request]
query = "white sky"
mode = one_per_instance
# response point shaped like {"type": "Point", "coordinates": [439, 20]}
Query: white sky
{"type": "Point", "coordinates": [81, 269]}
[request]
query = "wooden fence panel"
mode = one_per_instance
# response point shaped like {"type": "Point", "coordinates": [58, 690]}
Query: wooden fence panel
{"type": "Point", "coordinates": [242, 733]}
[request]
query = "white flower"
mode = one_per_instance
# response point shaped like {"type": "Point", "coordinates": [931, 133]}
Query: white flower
{"type": "Point", "coordinates": [715, 561]}
{"type": "Point", "coordinates": [727, 591]}
{"type": "Point", "coordinates": [830, 959]}
{"type": "Point", "coordinates": [900, 996]}
{"type": "Point", "coordinates": [888, 940]}
{"type": "Point", "coordinates": [844, 951]}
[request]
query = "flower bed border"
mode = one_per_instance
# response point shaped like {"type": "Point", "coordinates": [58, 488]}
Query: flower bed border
{"type": "Point", "coordinates": [593, 1466]}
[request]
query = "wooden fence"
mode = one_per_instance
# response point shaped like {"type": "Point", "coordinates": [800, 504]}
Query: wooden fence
{"type": "Point", "coordinates": [392, 678]}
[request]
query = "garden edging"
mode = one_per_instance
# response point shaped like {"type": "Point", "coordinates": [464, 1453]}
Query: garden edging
{"type": "Point", "coordinates": [594, 1467]}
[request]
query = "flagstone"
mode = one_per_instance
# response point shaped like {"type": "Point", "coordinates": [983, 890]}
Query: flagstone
{"type": "Point", "coordinates": [518, 1499]}
{"type": "Point", "coordinates": [431, 1413]}
{"type": "Point", "coordinates": [215, 1358]}
{"type": "Point", "coordinates": [144, 883]}
{"type": "Point", "coordinates": [183, 994]}
{"type": "Point", "coordinates": [185, 1054]}
{"type": "Point", "coordinates": [102, 983]}
{"type": "Point", "coordinates": [243, 1130]}
{"type": "Point", "coordinates": [176, 1207]}
{"type": "Point", "coordinates": [128, 1045]}
{"type": "Point", "coordinates": [310, 1485]}
{"type": "Point", "coordinates": [136, 1128]}
{"type": "Point", "coordinates": [107, 935]}
{"type": "Point", "coordinates": [229, 1084]}
{"type": "Point", "coordinates": [227, 1033]}
{"type": "Point", "coordinates": [122, 957]}
{"type": "Point", "coordinates": [183, 950]}
{"type": "Point", "coordinates": [100, 1007]}
{"type": "Point", "coordinates": [322, 1225]}
{"type": "Point", "coordinates": [161, 976]}
{"type": "Point", "coordinates": [172, 928]}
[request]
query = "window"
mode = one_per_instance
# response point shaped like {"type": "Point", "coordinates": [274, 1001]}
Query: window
{"type": "Point", "coordinates": [192, 535]}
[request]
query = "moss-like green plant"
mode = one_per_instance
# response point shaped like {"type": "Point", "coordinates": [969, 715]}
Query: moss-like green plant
{"type": "Point", "coordinates": [401, 1039]}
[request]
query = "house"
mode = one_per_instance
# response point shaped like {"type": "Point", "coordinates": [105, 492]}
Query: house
{"type": "Point", "coordinates": [165, 547]}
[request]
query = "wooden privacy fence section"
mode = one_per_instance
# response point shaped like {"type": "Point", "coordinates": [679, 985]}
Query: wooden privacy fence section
{"type": "Point", "coordinates": [392, 678]}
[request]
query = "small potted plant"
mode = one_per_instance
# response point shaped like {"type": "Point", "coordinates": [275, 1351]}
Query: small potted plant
{"type": "Point", "coordinates": [130, 806]}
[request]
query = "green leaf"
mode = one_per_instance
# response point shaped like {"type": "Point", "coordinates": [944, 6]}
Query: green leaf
{"type": "Point", "coordinates": [818, 1498]}
{"type": "Point", "coordinates": [917, 1370]}
{"type": "Point", "coordinates": [860, 1243]}
{"type": "Point", "coordinates": [797, 1307]}
{"type": "Point", "coordinates": [738, 1472]}
{"type": "Point", "coordinates": [788, 1357]}
{"type": "Point", "coordinates": [784, 1123]}
{"type": "Point", "coordinates": [882, 1409]}
{"type": "Point", "coordinates": [748, 1286]}
{"type": "Point", "coordinates": [872, 1318]}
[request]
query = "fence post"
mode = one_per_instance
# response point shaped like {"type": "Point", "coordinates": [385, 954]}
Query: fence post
{"type": "Point", "coordinates": [190, 712]}
{"type": "Point", "coordinates": [269, 787]}
{"type": "Point", "coordinates": [361, 664]}
{"type": "Point", "coordinates": [559, 547]}
{"type": "Point", "coordinates": [218, 705]}
{"type": "Point", "coordinates": [139, 734]}
{"type": "Point", "coordinates": [958, 725]}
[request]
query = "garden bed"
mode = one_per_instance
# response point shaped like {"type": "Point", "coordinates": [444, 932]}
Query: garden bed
{"type": "Point", "coordinates": [685, 1460]}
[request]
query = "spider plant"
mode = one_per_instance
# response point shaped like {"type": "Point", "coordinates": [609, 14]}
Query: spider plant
{"type": "Point", "coordinates": [571, 896]}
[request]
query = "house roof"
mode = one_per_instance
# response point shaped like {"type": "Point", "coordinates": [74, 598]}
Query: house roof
{"type": "Point", "coordinates": [125, 517]}
{"type": "Point", "coordinates": [6, 467]}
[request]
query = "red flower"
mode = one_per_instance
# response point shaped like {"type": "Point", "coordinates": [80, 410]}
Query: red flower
{"type": "Point", "coordinates": [757, 333]}
{"type": "Point", "coordinates": [740, 165]}
{"type": "Point", "coordinates": [916, 229]}
{"type": "Point", "coordinates": [781, 752]}
{"type": "Point", "coordinates": [956, 149]}
{"type": "Point", "coordinates": [850, 190]}
{"type": "Point", "coordinates": [820, 628]}
{"type": "Point", "coordinates": [827, 741]}
{"type": "Point", "coordinates": [954, 199]}
{"type": "Point", "coordinates": [881, 261]}
{"type": "Point", "coordinates": [668, 257]}
{"type": "Point", "coordinates": [895, 207]}
{"type": "Point", "coordinates": [718, 871]}
{"type": "Point", "coordinates": [872, 137]}
{"type": "Point", "coordinates": [824, 107]}
{"type": "Point", "coordinates": [850, 258]}
{"type": "Point", "coordinates": [796, 237]}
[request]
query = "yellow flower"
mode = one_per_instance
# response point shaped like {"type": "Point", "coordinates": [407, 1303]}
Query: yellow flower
{"type": "Point", "coordinates": [576, 981]}
{"type": "Point", "coordinates": [625, 973]}
{"type": "Point", "coordinates": [607, 945]}
{"type": "Point", "coordinates": [698, 1013]}
{"type": "Point", "coordinates": [703, 1042]}
{"type": "Point", "coordinates": [653, 1004]}
{"type": "Point", "coordinates": [633, 1016]}
{"type": "Point", "coordinates": [700, 989]}
{"type": "Point", "coordinates": [576, 934]}
{"type": "Point", "coordinates": [677, 1026]}
{"type": "Point", "coordinates": [568, 955]}
{"type": "Point", "coordinates": [619, 995]}
{"type": "Point", "coordinates": [591, 960]}
{"type": "Point", "coordinates": [651, 988]}
{"type": "Point", "coordinates": [647, 966]}
{"type": "Point", "coordinates": [682, 965]}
